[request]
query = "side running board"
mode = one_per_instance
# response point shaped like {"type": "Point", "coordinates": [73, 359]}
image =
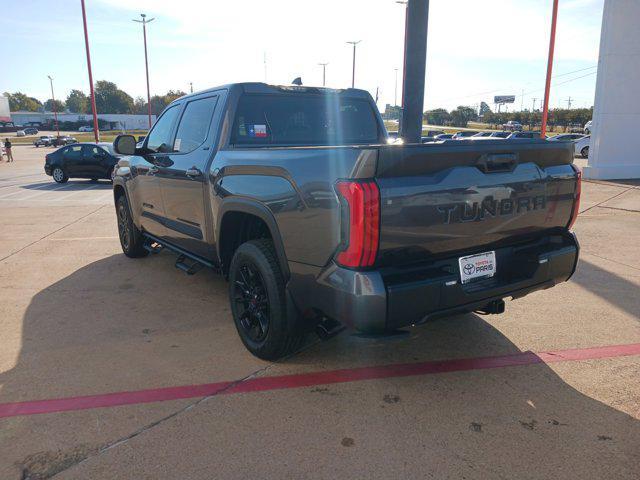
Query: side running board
{"type": "Point", "coordinates": [188, 265]}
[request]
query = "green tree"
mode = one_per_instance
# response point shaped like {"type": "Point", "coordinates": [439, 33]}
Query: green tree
{"type": "Point", "coordinates": [139, 106]}
{"type": "Point", "coordinates": [438, 116]}
{"type": "Point", "coordinates": [77, 102]}
{"type": "Point", "coordinates": [51, 105]}
{"type": "Point", "coordinates": [462, 115]}
{"type": "Point", "coordinates": [484, 109]}
{"type": "Point", "coordinates": [110, 99]}
{"type": "Point", "coordinates": [160, 102]}
{"type": "Point", "coordinates": [19, 101]}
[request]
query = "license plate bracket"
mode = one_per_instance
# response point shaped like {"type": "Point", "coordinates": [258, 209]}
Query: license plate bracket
{"type": "Point", "coordinates": [480, 265]}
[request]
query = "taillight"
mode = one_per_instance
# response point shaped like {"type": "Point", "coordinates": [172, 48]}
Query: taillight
{"type": "Point", "coordinates": [576, 198]}
{"type": "Point", "coordinates": [361, 204]}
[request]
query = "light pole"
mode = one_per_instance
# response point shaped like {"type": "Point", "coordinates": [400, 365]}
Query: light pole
{"type": "Point", "coordinates": [53, 105]}
{"type": "Point", "coordinates": [353, 69]}
{"type": "Point", "coordinates": [395, 95]}
{"type": "Point", "coordinates": [547, 87]}
{"type": "Point", "coordinates": [191, 86]}
{"type": "Point", "coordinates": [324, 71]}
{"type": "Point", "coordinates": [96, 133]}
{"type": "Point", "coordinates": [144, 22]}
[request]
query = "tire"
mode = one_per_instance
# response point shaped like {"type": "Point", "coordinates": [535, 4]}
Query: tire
{"type": "Point", "coordinates": [585, 152]}
{"type": "Point", "coordinates": [59, 175]}
{"type": "Point", "coordinates": [131, 238]}
{"type": "Point", "coordinates": [268, 329]}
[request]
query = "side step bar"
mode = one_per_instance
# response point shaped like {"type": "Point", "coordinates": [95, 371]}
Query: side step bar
{"type": "Point", "coordinates": [187, 262]}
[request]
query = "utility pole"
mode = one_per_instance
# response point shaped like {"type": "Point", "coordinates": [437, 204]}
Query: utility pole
{"type": "Point", "coordinates": [191, 86]}
{"type": "Point", "coordinates": [53, 105]}
{"type": "Point", "coordinates": [353, 69]}
{"type": "Point", "coordinates": [522, 101]}
{"type": "Point", "coordinates": [324, 71]}
{"type": "Point", "coordinates": [533, 109]}
{"type": "Point", "coordinates": [96, 132]}
{"type": "Point", "coordinates": [144, 22]}
{"type": "Point", "coordinates": [569, 102]}
{"type": "Point", "coordinates": [547, 87]}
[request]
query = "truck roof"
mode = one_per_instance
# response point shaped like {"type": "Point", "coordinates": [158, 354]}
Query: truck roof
{"type": "Point", "coordinates": [260, 87]}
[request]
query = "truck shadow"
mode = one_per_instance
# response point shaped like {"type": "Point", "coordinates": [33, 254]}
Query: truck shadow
{"type": "Point", "coordinates": [118, 324]}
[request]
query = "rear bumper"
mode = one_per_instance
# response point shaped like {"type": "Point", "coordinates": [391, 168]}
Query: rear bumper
{"type": "Point", "coordinates": [47, 169]}
{"type": "Point", "coordinates": [391, 298]}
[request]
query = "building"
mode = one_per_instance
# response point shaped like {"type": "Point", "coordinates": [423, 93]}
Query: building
{"type": "Point", "coordinates": [615, 144]}
{"type": "Point", "coordinates": [110, 121]}
{"type": "Point", "coordinates": [5, 116]}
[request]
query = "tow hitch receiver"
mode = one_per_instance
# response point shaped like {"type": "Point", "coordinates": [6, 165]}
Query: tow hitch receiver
{"type": "Point", "coordinates": [493, 307]}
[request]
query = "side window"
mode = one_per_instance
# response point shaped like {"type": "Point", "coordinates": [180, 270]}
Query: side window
{"type": "Point", "coordinates": [195, 124]}
{"type": "Point", "coordinates": [89, 151]}
{"type": "Point", "coordinates": [74, 152]}
{"type": "Point", "coordinates": [159, 139]}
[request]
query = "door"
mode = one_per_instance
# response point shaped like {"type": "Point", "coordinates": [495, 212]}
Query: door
{"type": "Point", "coordinates": [72, 161]}
{"type": "Point", "coordinates": [148, 198]}
{"type": "Point", "coordinates": [94, 160]}
{"type": "Point", "coordinates": [183, 177]}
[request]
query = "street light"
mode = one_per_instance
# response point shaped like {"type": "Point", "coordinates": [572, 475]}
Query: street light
{"type": "Point", "coordinates": [96, 132]}
{"type": "Point", "coordinates": [144, 22]}
{"type": "Point", "coordinates": [324, 71]}
{"type": "Point", "coordinates": [353, 70]}
{"type": "Point", "coordinates": [395, 95]}
{"type": "Point", "coordinates": [53, 105]}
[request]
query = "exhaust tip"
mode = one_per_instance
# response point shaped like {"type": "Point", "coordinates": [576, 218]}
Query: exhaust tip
{"type": "Point", "coordinates": [328, 328]}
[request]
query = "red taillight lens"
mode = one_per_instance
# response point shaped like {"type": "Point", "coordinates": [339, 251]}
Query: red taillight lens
{"type": "Point", "coordinates": [362, 227]}
{"type": "Point", "coordinates": [576, 200]}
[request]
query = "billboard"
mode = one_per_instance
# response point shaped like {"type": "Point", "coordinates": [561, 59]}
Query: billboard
{"type": "Point", "coordinates": [504, 99]}
{"type": "Point", "coordinates": [5, 116]}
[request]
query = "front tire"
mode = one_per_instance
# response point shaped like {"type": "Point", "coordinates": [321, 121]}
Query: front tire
{"type": "Point", "coordinates": [131, 238]}
{"type": "Point", "coordinates": [585, 152]}
{"type": "Point", "coordinates": [59, 176]}
{"type": "Point", "coordinates": [258, 302]}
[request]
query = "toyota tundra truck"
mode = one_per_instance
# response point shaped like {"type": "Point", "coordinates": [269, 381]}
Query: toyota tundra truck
{"type": "Point", "coordinates": [293, 194]}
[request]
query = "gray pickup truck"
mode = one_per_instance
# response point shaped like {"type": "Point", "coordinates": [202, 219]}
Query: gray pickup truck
{"type": "Point", "coordinates": [293, 193]}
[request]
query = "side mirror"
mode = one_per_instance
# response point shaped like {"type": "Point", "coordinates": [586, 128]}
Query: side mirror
{"type": "Point", "coordinates": [141, 138]}
{"type": "Point", "coordinates": [125, 144]}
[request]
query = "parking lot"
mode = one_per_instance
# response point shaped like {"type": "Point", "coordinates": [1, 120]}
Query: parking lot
{"type": "Point", "coordinates": [115, 368]}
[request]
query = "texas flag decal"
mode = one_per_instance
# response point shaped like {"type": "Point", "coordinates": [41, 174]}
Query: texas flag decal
{"type": "Point", "coordinates": [260, 130]}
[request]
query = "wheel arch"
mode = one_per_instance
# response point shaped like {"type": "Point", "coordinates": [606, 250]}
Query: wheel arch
{"type": "Point", "coordinates": [235, 210]}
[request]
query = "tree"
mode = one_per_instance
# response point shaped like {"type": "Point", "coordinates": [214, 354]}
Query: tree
{"type": "Point", "coordinates": [77, 102]}
{"type": "Point", "coordinates": [139, 106]}
{"type": "Point", "coordinates": [484, 109]}
{"type": "Point", "coordinates": [110, 99]}
{"type": "Point", "coordinates": [462, 115]}
{"type": "Point", "coordinates": [19, 101]}
{"type": "Point", "coordinates": [51, 105]}
{"type": "Point", "coordinates": [160, 102]}
{"type": "Point", "coordinates": [438, 116]}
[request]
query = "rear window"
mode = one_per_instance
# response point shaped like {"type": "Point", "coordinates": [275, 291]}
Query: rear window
{"type": "Point", "coordinates": [297, 119]}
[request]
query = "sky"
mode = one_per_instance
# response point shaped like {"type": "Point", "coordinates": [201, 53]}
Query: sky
{"type": "Point", "coordinates": [476, 49]}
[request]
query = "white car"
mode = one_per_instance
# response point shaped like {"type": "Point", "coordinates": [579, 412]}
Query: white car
{"type": "Point", "coordinates": [582, 146]}
{"type": "Point", "coordinates": [566, 137]}
{"type": "Point", "coordinates": [85, 128]}
{"type": "Point", "coordinates": [587, 127]}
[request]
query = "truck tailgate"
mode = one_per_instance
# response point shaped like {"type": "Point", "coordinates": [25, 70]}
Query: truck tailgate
{"type": "Point", "coordinates": [470, 196]}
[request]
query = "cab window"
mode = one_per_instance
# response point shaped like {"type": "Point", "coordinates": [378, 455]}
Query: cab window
{"type": "Point", "coordinates": [194, 124]}
{"type": "Point", "coordinates": [159, 139]}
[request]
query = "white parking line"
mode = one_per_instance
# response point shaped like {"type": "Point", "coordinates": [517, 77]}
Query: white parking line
{"type": "Point", "coordinates": [76, 191]}
{"type": "Point", "coordinates": [41, 191]}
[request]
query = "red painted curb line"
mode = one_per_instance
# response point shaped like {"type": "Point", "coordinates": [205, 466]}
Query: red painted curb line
{"type": "Point", "coordinates": [281, 382]}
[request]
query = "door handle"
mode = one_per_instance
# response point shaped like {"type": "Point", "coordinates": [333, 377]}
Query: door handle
{"type": "Point", "coordinates": [193, 172]}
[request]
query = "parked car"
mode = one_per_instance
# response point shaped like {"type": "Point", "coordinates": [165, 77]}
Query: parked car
{"type": "Point", "coordinates": [500, 134]}
{"type": "Point", "coordinates": [63, 140]}
{"type": "Point", "coordinates": [527, 134]}
{"type": "Point", "coordinates": [85, 128]}
{"type": "Point", "coordinates": [348, 230]}
{"type": "Point", "coordinates": [443, 136]}
{"type": "Point", "coordinates": [20, 133]}
{"type": "Point", "coordinates": [432, 133]}
{"type": "Point", "coordinates": [481, 134]}
{"type": "Point", "coordinates": [512, 126]}
{"type": "Point", "coordinates": [587, 127]}
{"type": "Point", "coordinates": [581, 146]}
{"type": "Point", "coordinates": [464, 134]}
{"type": "Point", "coordinates": [566, 137]}
{"type": "Point", "coordinates": [82, 160]}
{"type": "Point", "coordinates": [27, 131]}
{"type": "Point", "coordinates": [44, 141]}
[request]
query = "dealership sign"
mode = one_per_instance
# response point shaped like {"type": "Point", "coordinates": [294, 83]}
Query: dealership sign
{"type": "Point", "coordinates": [504, 99]}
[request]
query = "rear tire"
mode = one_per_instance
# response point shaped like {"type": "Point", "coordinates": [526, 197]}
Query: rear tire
{"type": "Point", "coordinates": [59, 175]}
{"type": "Point", "coordinates": [585, 152]}
{"type": "Point", "coordinates": [131, 238]}
{"type": "Point", "coordinates": [268, 329]}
